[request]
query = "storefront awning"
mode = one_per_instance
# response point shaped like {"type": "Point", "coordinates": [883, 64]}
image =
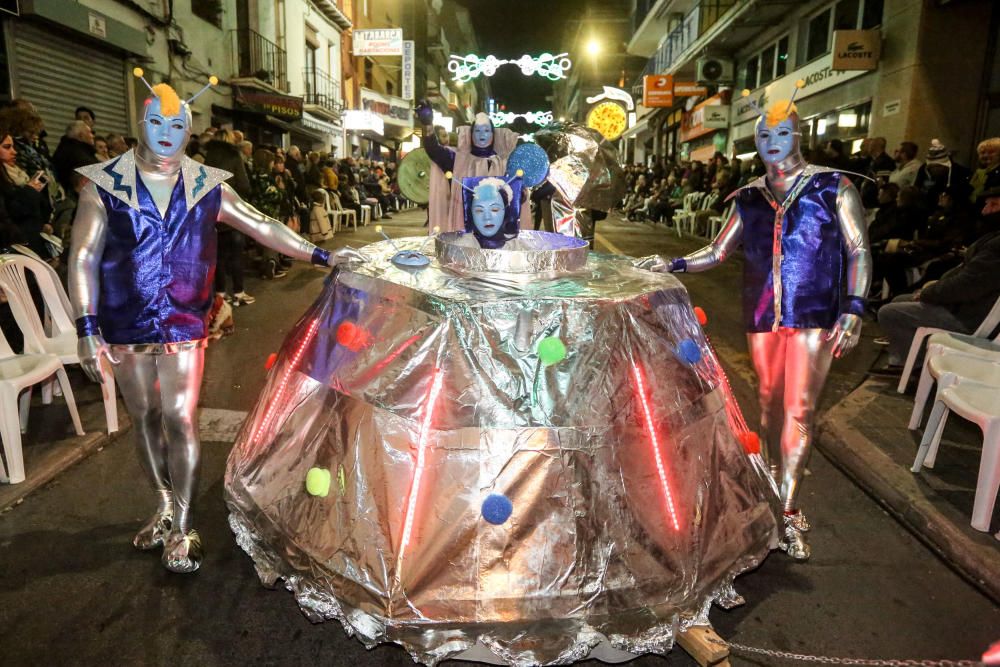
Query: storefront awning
{"type": "Point", "coordinates": [641, 126]}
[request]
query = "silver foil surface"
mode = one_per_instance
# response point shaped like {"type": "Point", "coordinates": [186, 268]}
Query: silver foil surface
{"type": "Point", "coordinates": [489, 492]}
{"type": "Point", "coordinates": [584, 168]}
{"type": "Point", "coordinates": [543, 252]}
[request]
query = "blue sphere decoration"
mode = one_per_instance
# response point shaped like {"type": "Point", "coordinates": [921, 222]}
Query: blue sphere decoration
{"type": "Point", "coordinates": [689, 352]}
{"type": "Point", "coordinates": [532, 160]}
{"type": "Point", "coordinates": [497, 508]}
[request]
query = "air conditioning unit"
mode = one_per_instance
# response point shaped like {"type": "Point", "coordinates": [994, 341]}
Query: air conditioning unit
{"type": "Point", "coordinates": [715, 71]}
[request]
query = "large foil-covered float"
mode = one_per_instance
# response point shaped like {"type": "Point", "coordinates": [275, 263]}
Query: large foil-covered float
{"type": "Point", "coordinates": [522, 456]}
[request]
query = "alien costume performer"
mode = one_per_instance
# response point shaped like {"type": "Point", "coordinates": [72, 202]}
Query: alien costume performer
{"type": "Point", "coordinates": [141, 272]}
{"type": "Point", "coordinates": [807, 271]}
{"type": "Point", "coordinates": [492, 211]}
{"type": "Point", "coordinates": [482, 151]}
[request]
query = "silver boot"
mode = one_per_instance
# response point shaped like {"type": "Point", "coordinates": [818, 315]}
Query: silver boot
{"type": "Point", "coordinates": [794, 542]}
{"type": "Point", "coordinates": [153, 532]}
{"type": "Point", "coordinates": [182, 552]}
{"type": "Point", "coordinates": [799, 521]}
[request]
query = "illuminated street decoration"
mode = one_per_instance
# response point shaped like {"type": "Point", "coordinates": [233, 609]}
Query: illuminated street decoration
{"type": "Point", "coordinates": [552, 67]}
{"type": "Point", "coordinates": [501, 118]}
{"type": "Point", "coordinates": [608, 118]}
{"type": "Point", "coordinates": [616, 94]}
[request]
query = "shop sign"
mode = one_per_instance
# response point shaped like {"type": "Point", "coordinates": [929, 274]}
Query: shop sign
{"type": "Point", "coordinates": [357, 120]}
{"type": "Point", "coordinates": [689, 89]}
{"type": "Point", "coordinates": [693, 124]}
{"type": "Point", "coordinates": [891, 108]}
{"type": "Point", "coordinates": [819, 75]}
{"type": "Point", "coordinates": [379, 42]}
{"type": "Point", "coordinates": [856, 49]}
{"type": "Point", "coordinates": [285, 107]}
{"type": "Point", "coordinates": [658, 90]}
{"type": "Point", "coordinates": [393, 110]}
{"type": "Point", "coordinates": [97, 25]}
{"type": "Point", "coordinates": [409, 52]}
{"type": "Point", "coordinates": [715, 116]}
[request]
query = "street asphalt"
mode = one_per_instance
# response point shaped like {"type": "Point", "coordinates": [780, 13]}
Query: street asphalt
{"type": "Point", "coordinates": [74, 592]}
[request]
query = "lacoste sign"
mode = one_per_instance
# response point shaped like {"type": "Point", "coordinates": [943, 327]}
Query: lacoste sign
{"type": "Point", "coordinates": [856, 49]}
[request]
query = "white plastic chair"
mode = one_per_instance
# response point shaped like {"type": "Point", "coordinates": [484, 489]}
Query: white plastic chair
{"type": "Point", "coordinates": [948, 370]}
{"type": "Point", "coordinates": [688, 207]}
{"type": "Point", "coordinates": [716, 221]}
{"type": "Point", "coordinates": [366, 215]}
{"type": "Point", "coordinates": [61, 338]}
{"type": "Point", "coordinates": [691, 220]}
{"type": "Point", "coordinates": [337, 211]}
{"type": "Point", "coordinates": [986, 327]}
{"type": "Point", "coordinates": [19, 372]}
{"type": "Point", "coordinates": [979, 404]}
{"type": "Point", "coordinates": [945, 343]}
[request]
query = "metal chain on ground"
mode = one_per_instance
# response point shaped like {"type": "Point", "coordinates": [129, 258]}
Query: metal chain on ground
{"type": "Point", "coordinates": [829, 660]}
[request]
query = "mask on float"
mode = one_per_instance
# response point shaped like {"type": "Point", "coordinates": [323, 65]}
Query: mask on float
{"type": "Point", "coordinates": [777, 134]}
{"type": "Point", "coordinates": [492, 209]}
{"type": "Point", "coordinates": [166, 120]}
{"type": "Point", "coordinates": [482, 131]}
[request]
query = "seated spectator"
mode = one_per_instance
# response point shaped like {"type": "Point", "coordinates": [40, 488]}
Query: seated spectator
{"type": "Point", "coordinates": [116, 145]}
{"type": "Point", "coordinates": [76, 149]}
{"type": "Point", "coordinates": [958, 301]}
{"type": "Point", "coordinates": [987, 176]}
{"type": "Point", "coordinates": [86, 115]}
{"type": "Point", "coordinates": [939, 173]}
{"type": "Point", "coordinates": [101, 149]}
{"type": "Point", "coordinates": [24, 197]}
{"type": "Point", "coordinates": [907, 165]}
{"type": "Point", "coordinates": [319, 221]}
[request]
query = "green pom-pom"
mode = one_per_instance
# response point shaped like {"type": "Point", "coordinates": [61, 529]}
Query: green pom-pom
{"type": "Point", "coordinates": [318, 482]}
{"type": "Point", "coordinates": [551, 350]}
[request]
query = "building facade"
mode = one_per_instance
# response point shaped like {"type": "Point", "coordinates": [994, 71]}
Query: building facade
{"type": "Point", "coordinates": [921, 85]}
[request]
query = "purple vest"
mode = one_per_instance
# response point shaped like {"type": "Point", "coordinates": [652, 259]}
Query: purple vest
{"type": "Point", "coordinates": [810, 264]}
{"type": "Point", "coordinates": [157, 274]}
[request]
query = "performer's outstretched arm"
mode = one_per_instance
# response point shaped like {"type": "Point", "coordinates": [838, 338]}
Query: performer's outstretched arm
{"type": "Point", "coordinates": [269, 232]}
{"type": "Point", "coordinates": [854, 234]}
{"type": "Point", "coordinates": [716, 252]}
{"type": "Point", "coordinates": [87, 247]}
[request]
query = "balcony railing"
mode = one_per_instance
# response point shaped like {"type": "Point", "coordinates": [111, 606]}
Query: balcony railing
{"type": "Point", "coordinates": [322, 90]}
{"type": "Point", "coordinates": [259, 58]}
{"type": "Point", "coordinates": [695, 24]}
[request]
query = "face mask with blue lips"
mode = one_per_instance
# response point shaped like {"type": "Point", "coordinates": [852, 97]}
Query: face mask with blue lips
{"type": "Point", "coordinates": [775, 144]}
{"type": "Point", "coordinates": [488, 211]}
{"type": "Point", "coordinates": [164, 135]}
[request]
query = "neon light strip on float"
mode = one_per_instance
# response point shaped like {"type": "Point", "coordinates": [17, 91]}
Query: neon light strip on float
{"type": "Point", "coordinates": [418, 471]}
{"type": "Point", "coordinates": [272, 409]}
{"type": "Point", "coordinates": [654, 441]}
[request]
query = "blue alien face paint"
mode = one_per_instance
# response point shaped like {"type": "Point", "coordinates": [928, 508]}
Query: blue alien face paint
{"type": "Point", "coordinates": [774, 144]}
{"type": "Point", "coordinates": [482, 136]}
{"type": "Point", "coordinates": [165, 135]}
{"type": "Point", "coordinates": [488, 210]}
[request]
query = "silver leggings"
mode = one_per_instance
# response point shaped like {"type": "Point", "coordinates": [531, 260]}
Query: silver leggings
{"type": "Point", "coordinates": [791, 366]}
{"type": "Point", "coordinates": [161, 396]}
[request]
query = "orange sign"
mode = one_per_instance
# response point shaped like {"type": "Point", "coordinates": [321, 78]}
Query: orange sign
{"type": "Point", "coordinates": [689, 89]}
{"type": "Point", "coordinates": [658, 90]}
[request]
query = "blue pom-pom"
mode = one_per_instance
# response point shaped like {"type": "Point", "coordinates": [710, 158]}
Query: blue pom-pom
{"type": "Point", "coordinates": [689, 352]}
{"type": "Point", "coordinates": [497, 508]}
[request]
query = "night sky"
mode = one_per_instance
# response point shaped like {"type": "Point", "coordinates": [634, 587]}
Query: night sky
{"type": "Point", "coordinates": [509, 29]}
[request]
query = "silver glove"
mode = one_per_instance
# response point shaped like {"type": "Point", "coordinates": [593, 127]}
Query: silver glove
{"type": "Point", "coordinates": [654, 263]}
{"type": "Point", "coordinates": [345, 255]}
{"type": "Point", "coordinates": [91, 349]}
{"type": "Point", "coordinates": [845, 334]}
